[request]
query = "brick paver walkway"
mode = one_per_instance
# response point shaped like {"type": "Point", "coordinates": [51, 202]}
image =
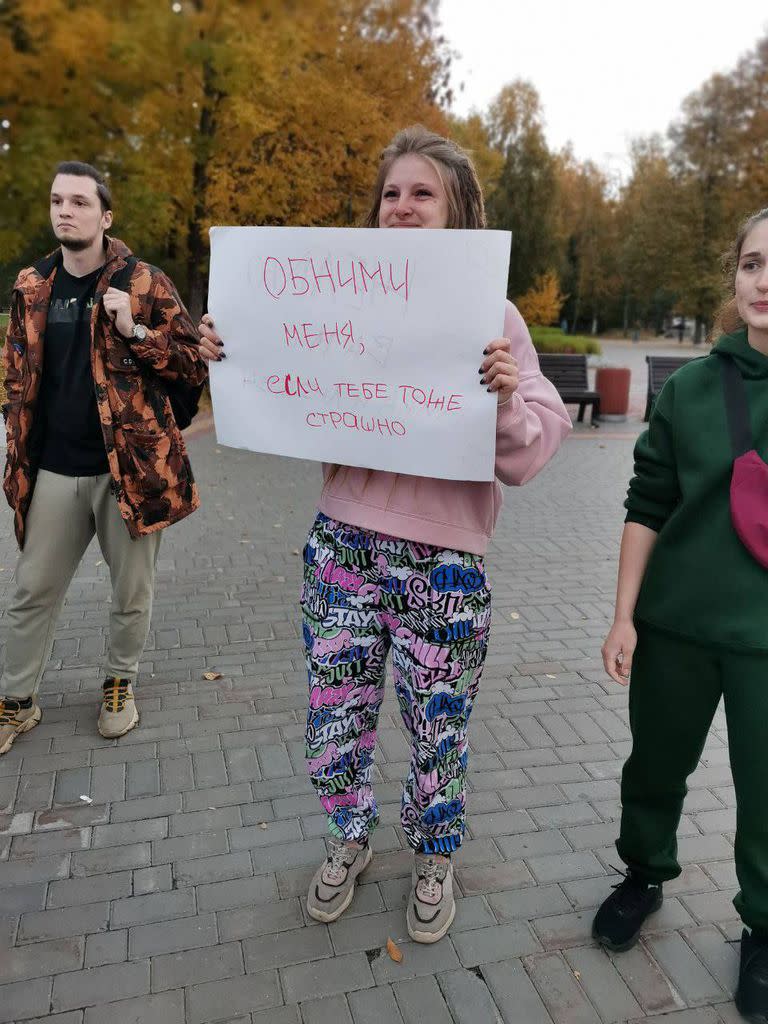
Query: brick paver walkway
{"type": "Point", "coordinates": [174, 892]}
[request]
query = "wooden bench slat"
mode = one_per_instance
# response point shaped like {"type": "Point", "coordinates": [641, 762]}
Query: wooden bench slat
{"type": "Point", "coordinates": [660, 368]}
{"type": "Point", "coordinates": [568, 372]}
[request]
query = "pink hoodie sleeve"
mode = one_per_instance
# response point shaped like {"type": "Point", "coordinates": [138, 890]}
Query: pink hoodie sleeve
{"type": "Point", "coordinates": [531, 426]}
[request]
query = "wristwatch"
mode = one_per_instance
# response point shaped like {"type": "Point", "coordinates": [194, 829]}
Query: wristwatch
{"type": "Point", "coordinates": [139, 332]}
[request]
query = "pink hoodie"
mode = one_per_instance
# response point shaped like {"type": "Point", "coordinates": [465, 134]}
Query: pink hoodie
{"type": "Point", "coordinates": [459, 514]}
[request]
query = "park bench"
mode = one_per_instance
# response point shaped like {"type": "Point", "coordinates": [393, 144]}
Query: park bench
{"type": "Point", "coordinates": [659, 369]}
{"type": "Point", "coordinates": [569, 375]}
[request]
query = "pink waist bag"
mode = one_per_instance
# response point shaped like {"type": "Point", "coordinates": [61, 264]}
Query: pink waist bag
{"type": "Point", "coordinates": [749, 478]}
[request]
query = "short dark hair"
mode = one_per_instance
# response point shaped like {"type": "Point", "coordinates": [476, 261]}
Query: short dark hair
{"type": "Point", "coordinates": [82, 170]}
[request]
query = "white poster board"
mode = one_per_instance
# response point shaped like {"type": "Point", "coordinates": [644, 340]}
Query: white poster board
{"type": "Point", "coordinates": [359, 346]}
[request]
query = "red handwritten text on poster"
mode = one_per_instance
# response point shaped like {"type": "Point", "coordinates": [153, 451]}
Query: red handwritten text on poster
{"type": "Point", "coordinates": [303, 275]}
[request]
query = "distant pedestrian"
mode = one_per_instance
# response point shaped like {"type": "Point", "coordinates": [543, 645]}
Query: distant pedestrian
{"type": "Point", "coordinates": [691, 617]}
{"type": "Point", "coordinates": [93, 446]}
{"type": "Point", "coordinates": [396, 561]}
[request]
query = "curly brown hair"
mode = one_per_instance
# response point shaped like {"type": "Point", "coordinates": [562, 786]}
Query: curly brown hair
{"type": "Point", "coordinates": [451, 162]}
{"type": "Point", "coordinates": [728, 319]}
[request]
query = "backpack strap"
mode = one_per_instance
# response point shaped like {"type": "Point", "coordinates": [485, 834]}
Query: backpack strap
{"type": "Point", "coordinates": [736, 407]}
{"type": "Point", "coordinates": [122, 278]}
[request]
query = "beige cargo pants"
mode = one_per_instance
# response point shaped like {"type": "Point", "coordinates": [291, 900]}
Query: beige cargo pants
{"type": "Point", "coordinates": [65, 513]}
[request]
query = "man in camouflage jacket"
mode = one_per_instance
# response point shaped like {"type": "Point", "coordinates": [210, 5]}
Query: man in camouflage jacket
{"type": "Point", "coordinates": [93, 446]}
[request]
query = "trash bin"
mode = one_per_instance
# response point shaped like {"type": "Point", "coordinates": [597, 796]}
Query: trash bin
{"type": "Point", "coordinates": [612, 384]}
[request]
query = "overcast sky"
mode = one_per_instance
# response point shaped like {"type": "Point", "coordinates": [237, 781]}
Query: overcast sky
{"type": "Point", "coordinates": [606, 71]}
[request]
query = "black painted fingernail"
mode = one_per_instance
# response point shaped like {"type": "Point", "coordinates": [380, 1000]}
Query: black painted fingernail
{"type": "Point", "coordinates": [220, 343]}
{"type": "Point", "coordinates": [485, 351]}
{"type": "Point", "coordinates": [480, 370]}
{"type": "Point", "coordinates": [487, 389]}
{"type": "Point", "coordinates": [483, 380]}
{"type": "Point", "coordinates": [223, 355]}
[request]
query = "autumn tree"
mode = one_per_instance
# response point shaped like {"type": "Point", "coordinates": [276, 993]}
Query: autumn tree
{"type": "Point", "coordinates": [211, 111]}
{"type": "Point", "coordinates": [522, 201]}
{"type": "Point", "coordinates": [651, 231]}
{"type": "Point", "coordinates": [749, 129]}
{"type": "Point", "coordinates": [703, 160]}
{"type": "Point", "coordinates": [541, 304]}
{"type": "Point", "coordinates": [472, 134]}
{"type": "Point", "coordinates": [585, 227]}
{"type": "Point", "coordinates": [719, 155]}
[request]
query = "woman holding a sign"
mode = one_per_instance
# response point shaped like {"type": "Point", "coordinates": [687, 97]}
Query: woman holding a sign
{"type": "Point", "coordinates": [395, 561]}
{"type": "Point", "coordinates": [691, 613]}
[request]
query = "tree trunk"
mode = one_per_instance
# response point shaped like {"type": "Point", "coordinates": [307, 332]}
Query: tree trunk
{"type": "Point", "coordinates": [197, 244]}
{"type": "Point", "coordinates": [699, 330]}
{"type": "Point", "coordinates": [576, 304]}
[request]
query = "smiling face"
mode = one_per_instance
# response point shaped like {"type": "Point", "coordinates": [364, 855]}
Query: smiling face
{"type": "Point", "coordinates": [77, 216]}
{"type": "Point", "coordinates": [751, 282]}
{"type": "Point", "coordinates": [413, 196]}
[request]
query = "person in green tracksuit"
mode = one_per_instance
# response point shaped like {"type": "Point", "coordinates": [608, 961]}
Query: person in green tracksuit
{"type": "Point", "coordinates": [691, 625]}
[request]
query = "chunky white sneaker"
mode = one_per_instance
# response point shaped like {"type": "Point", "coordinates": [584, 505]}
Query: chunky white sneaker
{"type": "Point", "coordinates": [14, 720]}
{"type": "Point", "coordinates": [118, 712]}
{"type": "Point", "coordinates": [333, 885]}
{"type": "Point", "coordinates": [431, 907]}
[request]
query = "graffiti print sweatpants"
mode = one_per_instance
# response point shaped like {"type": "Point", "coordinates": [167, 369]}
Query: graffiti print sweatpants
{"type": "Point", "coordinates": [364, 593]}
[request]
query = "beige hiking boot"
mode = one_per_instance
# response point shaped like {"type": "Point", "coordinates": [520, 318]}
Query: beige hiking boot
{"type": "Point", "coordinates": [333, 885]}
{"type": "Point", "coordinates": [431, 907]}
{"type": "Point", "coordinates": [14, 720]}
{"type": "Point", "coordinates": [118, 712]}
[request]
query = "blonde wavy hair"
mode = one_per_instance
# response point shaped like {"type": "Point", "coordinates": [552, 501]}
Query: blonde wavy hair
{"type": "Point", "coordinates": [457, 173]}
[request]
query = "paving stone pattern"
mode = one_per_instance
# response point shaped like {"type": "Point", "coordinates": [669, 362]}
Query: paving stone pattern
{"type": "Point", "coordinates": [175, 895]}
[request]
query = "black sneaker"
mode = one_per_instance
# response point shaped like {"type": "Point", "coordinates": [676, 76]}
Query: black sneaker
{"type": "Point", "coordinates": [752, 992]}
{"type": "Point", "coordinates": [618, 922]}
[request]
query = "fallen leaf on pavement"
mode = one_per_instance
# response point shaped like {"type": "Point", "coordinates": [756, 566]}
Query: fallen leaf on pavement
{"type": "Point", "coordinates": [211, 675]}
{"type": "Point", "coordinates": [395, 953]}
{"type": "Point", "coordinates": [263, 824]}
{"type": "Point", "coordinates": [514, 615]}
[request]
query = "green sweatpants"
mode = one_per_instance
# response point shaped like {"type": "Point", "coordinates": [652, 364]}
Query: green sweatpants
{"type": "Point", "coordinates": [674, 692]}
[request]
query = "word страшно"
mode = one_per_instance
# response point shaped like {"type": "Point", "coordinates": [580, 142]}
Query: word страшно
{"type": "Point", "coordinates": [405, 394]}
{"type": "Point", "coordinates": [295, 277]}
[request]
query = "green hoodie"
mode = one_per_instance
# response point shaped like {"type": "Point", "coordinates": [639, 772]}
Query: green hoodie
{"type": "Point", "coordinates": [700, 582]}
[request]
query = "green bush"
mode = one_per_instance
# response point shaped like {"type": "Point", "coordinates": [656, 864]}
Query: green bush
{"type": "Point", "coordinates": [552, 339]}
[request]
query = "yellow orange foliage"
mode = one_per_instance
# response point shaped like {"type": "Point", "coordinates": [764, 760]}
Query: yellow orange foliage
{"type": "Point", "coordinates": [541, 304]}
{"type": "Point", "coordinates": [211, 111]}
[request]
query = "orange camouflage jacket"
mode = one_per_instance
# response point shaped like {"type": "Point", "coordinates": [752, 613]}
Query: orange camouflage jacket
{"type": "Point", "coordinates": [151, 475]}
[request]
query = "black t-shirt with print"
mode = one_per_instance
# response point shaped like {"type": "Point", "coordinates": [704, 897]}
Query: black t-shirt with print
{"type": "Point", "coordinates": [73, 441]}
